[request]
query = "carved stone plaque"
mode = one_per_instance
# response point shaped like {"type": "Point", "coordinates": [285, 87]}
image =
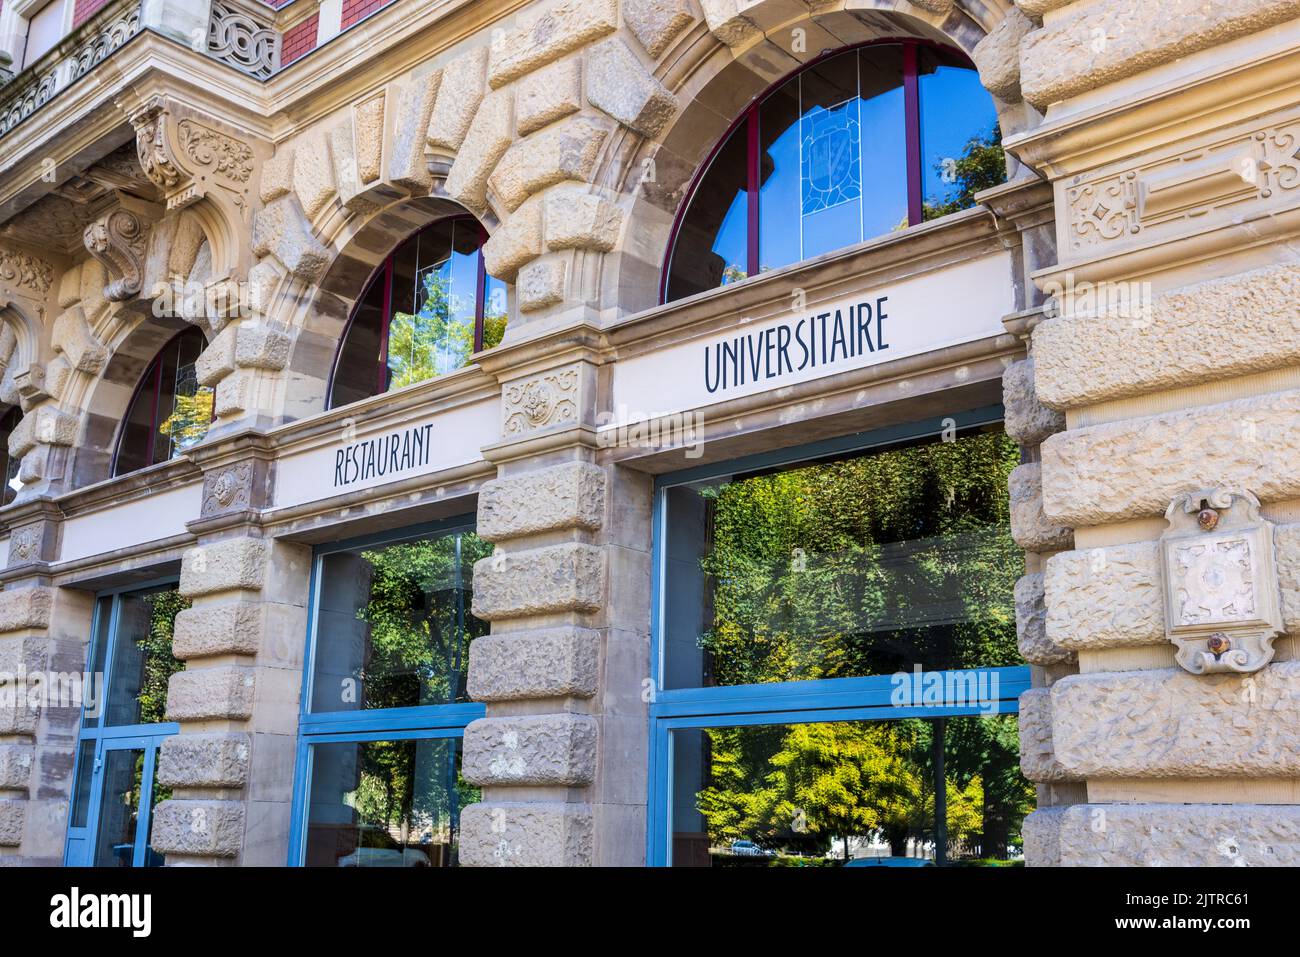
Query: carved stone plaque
{"type": "Point", "coordinates": [1222, 597]}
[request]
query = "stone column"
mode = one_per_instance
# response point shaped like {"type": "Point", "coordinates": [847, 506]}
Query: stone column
{"type": "Point", "coordinates": [1166, 368]}
{"type": "Point", "coordinates": [44, 632]}
{"type": "Point", "coordinates": [231, 766]}
{"type": "Point", "coordinates": [561, 755]}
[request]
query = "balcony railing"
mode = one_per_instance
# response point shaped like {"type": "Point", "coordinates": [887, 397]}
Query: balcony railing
{"type": "Point", "coordinates": [241, 33]}
{"type": "Point", "coordinates": [68, 62]}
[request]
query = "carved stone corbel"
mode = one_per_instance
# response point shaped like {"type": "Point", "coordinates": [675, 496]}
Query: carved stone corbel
{"type": "Point", "coordinates": [191, 156]}
{"type": "Point", "coordinates": [120, 240]}
{"type": "Point", "coordinates": [1223, 601]}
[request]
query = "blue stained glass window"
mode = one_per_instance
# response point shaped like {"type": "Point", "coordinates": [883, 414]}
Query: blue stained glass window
{"type": "Point", "coordinates": [831, 148]}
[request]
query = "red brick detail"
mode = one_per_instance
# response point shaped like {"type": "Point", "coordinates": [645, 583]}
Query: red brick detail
{"type": "Point", "coordinates": [355, 11]}
{"type": "Point", "coordinates": [84, 10]}
{"type": "Point", "coordinates": [298, 39]}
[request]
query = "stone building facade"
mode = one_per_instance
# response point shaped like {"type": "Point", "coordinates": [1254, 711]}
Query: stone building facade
{"type": "Point", "coordinates": [1127, 299]}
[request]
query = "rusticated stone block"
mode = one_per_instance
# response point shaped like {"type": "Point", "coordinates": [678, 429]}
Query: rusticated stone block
{"type": "Point", "coordinates": [1031, 634]}
{"type": "Point", "coordinates": [526, 835]}
{"type": "Point", "coordinates": [1115, 39]}
{"type": "Point", "coordinates": [199, 828]}
{"type": "Point", "coordinates": [1179, 835]}
{"type": "Point", "coordinates": [517, 241]}
{"type": "Point", "coordinates": [1030, 528]}
{"type": "Point", "coordinates": [406, 165]}
{"type": "Point", "coordinates": [565, 151]}
{"type": "Point", "coordinates": [557, 578]}
{"type": "Point", "coordinates": [1036, 8]}
{"type": "Point", "coordinates": [541, 283]}
{"type": "Point", "coordinates": [548, 35]}
{"type": "Point", "coordinates": [1169, 723]}
{"type": "Point", "coordinates": [656, 23]}
{"type": "Point", "coordinates": [563, 496]}
{"type": "Point", "coordinates": [550, 94]}
{"type": "Point", "coordinates": [997, 56]}
{"type": "Point", "coordinates": [204, 760]}
{"type": "Point", "coordinates": [232, 628]}
{"type": "Point", "coordinates": [1134, 468]}
{"type": "Point", "coordinates": [577, 219]}
{"type": "Point", "coordinates": [23, 654]}
{"type": "Point", "coordinates": [44, 425]}
{"type": "Point", "coordinates": [557, 749]}
{"type": "Point", "coordinates": [232, 395]}
{"type": "Point", "coordinates": [313, 174]}
{"type": "Point", "coordinates": [281, 229]}
{"type": "Point", "coordinates": [23, 608]}
{"type": "Point", "coordinates": [277, 175]}
{"type": "Point", "coordinates": [464, 82]}
{"type": "Point", "coordinates": [728, 23]}
{"type": "Point", "coordinates": [1105, 597]}
{"type": "Point", "coordinates": [18, 719]}
{"type": "Point", "coordinates": [13, 814]}
{"type": "Point", "coordinates": [1085, 359]}
{"type": "Point", "coordinates": [1041, 832]}
{"type": "Point", "coordinates": [1028, 421]}
{"type": "Point", "coordinates": [490, 135]}
{"type": "Point", "coordinates": [620, 86]}
{"type": "Point", "coordinates": [1037, 756]}
{"type": "Point", "coordinates": [201, 694]}
{"type": "Point", "coordinates": [226, 565]}
{"type": "Point", "coordinates": [261, 345]}
{"type": "Point", "coordinates": [15, 766]}
{"type": "Point", "coordinates": [547, 663]}
{"type": "Point", "coordinates": [71, 336]}
{"type": "Point", "coordinates": [218, 360]}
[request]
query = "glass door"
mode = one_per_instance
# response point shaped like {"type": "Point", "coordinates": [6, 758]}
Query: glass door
{"type": "Point", "coordinates": [122, 728]}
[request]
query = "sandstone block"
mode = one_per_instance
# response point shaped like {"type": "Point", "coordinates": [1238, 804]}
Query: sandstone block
{"type": "Point", "coordinates": [231, 628]}
{"type": "Point", "coordinates": [550, 94]}
{"type": "Point", "coordinates": [204, 760]}
{"type": "Point", "coordinates": [1028, 421]}
{"type": "Point", "coordinates": [1031, 634]}
{"type": "Point", "coordinates": [547, 663]}
{"type": "Point", "coordinates": [226, 565]}
{"type": "Point", "coordinates": [565, 151]}
{"type": "Point", "coordinates": [619, 85]}
{"type": "Point", "coordinates": [547, 35]}
{"type": "Point", "coordinates": [406, 166]}
{"type": "Point", "coordinates": [556, 578]}
{"type": "Point", "coordinates": [563, 496]}
{"type": "Point", "coordinates": [281, 229]}
{"type": "Point", "coordinates": [656, 23]}
{"type": "Point", "coordinates": [1104, 597]}
{"type": "Point", "coordinates": [526, 835]}
{"type": "Point", "coordinates": [202, 694]}
{"type": "Point", "coordinates": [199, 828]}
{"type": "Point", "coordinates": [462, 88]}
{"type": "Point", "coordinates": [313, 174]}
{"type": "Point", "coordinates": [24, 608]}
{"type": "Point", "coordinates": [515, 242]}
{"type": "Point", "coordinates": [549, 749]}
{"type": "Point", "coordinates": [541, 283]}
{"type": "Point", "coordinates": [997, 56]}
{"type": "Point", "coordinates": [490, 135]}
{"type": "Point", "coordinates": [1029, 526]}
{"type": "Point", "coordinates": [577, 219]}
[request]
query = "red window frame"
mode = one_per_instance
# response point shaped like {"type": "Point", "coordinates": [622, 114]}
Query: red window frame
{"type": "Point", "coordinates": [749, 119]}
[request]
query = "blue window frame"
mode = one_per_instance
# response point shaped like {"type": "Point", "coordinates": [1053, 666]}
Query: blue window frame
{"type": "Point", "coordinates": [680, 707]}
{"type": "Point", "coordinates": [371, 726]}
{"type": "Point", "coordinates": [114, 791]}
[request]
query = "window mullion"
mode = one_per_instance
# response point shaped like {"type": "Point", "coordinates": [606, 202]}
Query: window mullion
{"type": "Point", "coordinates": [381, 383]}
{"type": "Point", "coordinates": [912, 115]}
{"type": "Point", "coordinates": [753, 147]}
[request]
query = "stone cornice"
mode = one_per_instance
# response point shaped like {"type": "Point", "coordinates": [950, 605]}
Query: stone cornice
{"type": "Point", "coordinates": [1197, 94]}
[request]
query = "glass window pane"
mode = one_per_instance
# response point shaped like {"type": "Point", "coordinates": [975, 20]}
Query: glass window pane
{"type": "Point", "coordinates": [830, 144]}
{"type": "Point", "coordinates": [884, 140]}
{"type": "Point", "coordinates": [142, 657]}
{"type": "Point", "coordinates": [9, 464]}
{"type": "Point", "coordinates": [356, 372]}
{"type": "Point", "coordinates": [779, 178]}
{"type": "Point", "coordinates": [191, 409]}
{"type": "Point", "coordinates": [135, 446]}
{"type": "Point", "coordinates": [386, 803]}
{"type": "Point", "coordinates": [961, 151]}
{"type": "Point", "coordinates": [81, 793]}
{"type": "Point", "coordinates": [98, 661]}
{"type": "Point", "coordinates": [850, 793]}
{"type": "Point", "coordinates": [864, 566]}
{"type": "Point", "coordinates": [712, 239]}
{"type": "Point", "coordinates": [119, 808]}
{"type": "Point", "coordinates": [393, 624]}
{"type": "Point", "coordinates": [496, 312]}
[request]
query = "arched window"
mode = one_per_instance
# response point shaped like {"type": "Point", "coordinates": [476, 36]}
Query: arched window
{"type": "Point", "coordinates": [9, 463]}
{"type": "Point", "coordinates": [855, 145]}
{"type": "Point", "coordinates": [170, 411]}
{"type": "Point", "coordinates": [429, 307]}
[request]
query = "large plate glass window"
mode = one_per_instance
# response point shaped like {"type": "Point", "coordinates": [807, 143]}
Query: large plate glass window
{"type": "Point", "coordinates": [378, 779]}
{"type": "Point", "coordinates": [429, 306]}
{"type": "Point", "coordinates": [858, 144]}
{"type": "Point", "coordinates": [836, 660]}
{"type": "Point", "coordinates": [122, 727]}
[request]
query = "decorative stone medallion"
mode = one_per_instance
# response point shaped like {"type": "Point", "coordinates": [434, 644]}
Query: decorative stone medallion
{"type": "Point", "coordinates": [1222, 596]}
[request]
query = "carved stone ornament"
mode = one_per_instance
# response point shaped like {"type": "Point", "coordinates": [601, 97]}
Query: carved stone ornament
{"type": "Point", "coordinates": [227, 490]}
{"type": "Point", "coordinates": [1223, 602]}
{"type": "Point", "coordinates": [119, 240]}
{"type": "Point", "coordinates": [541, 402]}
{"type": "Point", "coordinates": [186, 157]}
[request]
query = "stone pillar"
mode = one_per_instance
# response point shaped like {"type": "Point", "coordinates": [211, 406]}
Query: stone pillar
{"type": "Point", "coordinates": [561, 755]}
{"type": "Point", "coordinates": [1165, 367]}
{"type": "Point", "coordinates": [44, 633]}
{"type": "Point", "coordinates": [231, 766]}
